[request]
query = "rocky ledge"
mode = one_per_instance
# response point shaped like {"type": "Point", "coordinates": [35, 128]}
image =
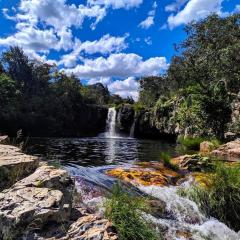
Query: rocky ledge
{"type": "Point", "coordinates": [41, 205]}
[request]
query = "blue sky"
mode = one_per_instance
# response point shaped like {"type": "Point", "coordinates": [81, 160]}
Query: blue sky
{"type": "Point", "coordinates": [110, 41]}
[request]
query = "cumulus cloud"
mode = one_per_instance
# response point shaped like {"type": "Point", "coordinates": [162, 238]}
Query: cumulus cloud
{"type": "Point", "coordinates": [125, 88]}
{"type": "Point", "coordinates": [116, 4]}
{"type": "Point", "coordinates": [119, 65]}
{"type": "Point", "coordinates": [149, 21]}
{"type": "Point", "coordinates": [194, 10]}
{"type": "Point", "coordinates": [107, 44]}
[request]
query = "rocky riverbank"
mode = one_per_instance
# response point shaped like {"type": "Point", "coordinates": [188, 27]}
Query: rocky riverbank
{"type": "Point", "coordinates": [37, 202]}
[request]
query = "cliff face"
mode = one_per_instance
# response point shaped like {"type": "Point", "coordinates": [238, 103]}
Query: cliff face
{"type": "Point", "coordinates": [125, 118]}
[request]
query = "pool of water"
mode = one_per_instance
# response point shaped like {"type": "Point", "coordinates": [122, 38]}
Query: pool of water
{"type": "Point", "coordinates": [92, 152]}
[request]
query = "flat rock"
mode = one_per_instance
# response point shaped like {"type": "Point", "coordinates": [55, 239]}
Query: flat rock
{"type": "Point", "coordinates": [14, 165]}
{"type": "Point", "coordinates": [229, 151]}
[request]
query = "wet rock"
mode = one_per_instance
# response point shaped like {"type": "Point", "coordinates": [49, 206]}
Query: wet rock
{"type": "Point", "coordinates": [45, 196]}
{"type": "Point", "coordinates": [229, 151]}
{"type": "Point", "coordinates": [206, 147]}
{"type": "Point", "coordinates": [145, 176]}
{"type": "Point", "coordinates": [14, 165]}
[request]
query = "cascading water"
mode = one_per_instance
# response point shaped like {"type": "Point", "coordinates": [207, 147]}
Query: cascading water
{"type": "Point", "coordinates": [132, 130]}
{"type": "Point", "coordinates": [184, 218]}
{"type": "Point", "coordinates": [111, 123]}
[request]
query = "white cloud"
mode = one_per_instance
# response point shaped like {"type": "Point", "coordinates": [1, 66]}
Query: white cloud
{"type": "Point", "coordinates": [149, 21]}
{"type": "Point", "coordinates": [33, 39]}
{"type": "Point", "coordinates": [237, 9]}
{"type": "Point", "coordinates": [194, 10]}
{"type": "Point", "coordinates": [148, 40]}
{"type": "Point", "coordinates": [57, 13]}
{"type": "Point", "coordinates": [119, 65]}
{"type": "Point", "coordinates": [175, 6]}
{"type": "Point", "coordinates": [106, 45]}
{"type": "Point", "coordinates": [116, 4]}
{"type": "Point", "coordinates": [125, 88]}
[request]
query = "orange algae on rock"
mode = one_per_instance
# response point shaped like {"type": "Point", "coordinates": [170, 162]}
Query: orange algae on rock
{"type": "Point", "coordinates": [145, 176]}
{"type": "Point", "coordinates": [202, 179]}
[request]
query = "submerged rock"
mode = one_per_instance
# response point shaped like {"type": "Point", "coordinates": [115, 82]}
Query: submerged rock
{"type": "Point", "coordinates": [14, 165]}
{"type": "Point", "coordinates": [229, 151]}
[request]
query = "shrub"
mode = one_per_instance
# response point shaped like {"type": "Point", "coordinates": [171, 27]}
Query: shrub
{"type": "Point", "coordinates": [222, 197]}
{"type": "Point", "coordinates": [125, 212]}
{"type": "Point", "coordinates": [191, 143]}
{"type": "Point", "coordinates": [165, 157]}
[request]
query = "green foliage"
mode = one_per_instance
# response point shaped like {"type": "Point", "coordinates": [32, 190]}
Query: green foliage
{"type": "Point", "coordinates": [191, 143]}
{"type": "Point", "coordinates": [124, 210]}
{"type": "Point", "coordinates": [151, 88]}
{"type": "Point", "coordinates": [222, 198]}
{"type": "Point", "coordinates": [165, 157]}
{"type": "Point", "coordinates": [138, 107]}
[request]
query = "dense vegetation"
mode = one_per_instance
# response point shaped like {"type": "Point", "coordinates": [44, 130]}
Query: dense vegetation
{"type": "Point", "coordinates": [202, 81]}
{"type": "Point", "coordinates": [221, 198]}
{"type": "Point", "coordinates": [125, 212]}
{"type": "Point", "coordinates": [37, 98]}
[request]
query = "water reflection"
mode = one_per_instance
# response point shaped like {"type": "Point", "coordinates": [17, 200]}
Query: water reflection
{"type": "Point", "coordinates": [99, 151]}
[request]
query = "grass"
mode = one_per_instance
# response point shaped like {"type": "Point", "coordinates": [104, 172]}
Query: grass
{"type": "Point", "coordinates": [165, 157]}
{"type": "Point", "coordinates": [125, 212]}
{"type": "Point", "coordinates": [222, 197]}
{"type": "Point", "coordinates": [193, 143]}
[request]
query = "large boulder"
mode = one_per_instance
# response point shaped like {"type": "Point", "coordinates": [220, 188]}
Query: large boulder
{"type": "Point", "coordinates": [45, 196]}
{"type": "Point", "coordinates": [228, 151]}
{"type": "Point", "coordinates": [14, 165]}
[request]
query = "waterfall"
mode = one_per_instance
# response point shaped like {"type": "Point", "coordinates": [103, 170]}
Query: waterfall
{"type": "Point", "coordinates": [111, 123]}
{"type": "Point", "coordinates": [132, 130]}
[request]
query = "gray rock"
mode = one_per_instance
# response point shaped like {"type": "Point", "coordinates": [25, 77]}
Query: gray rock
{"type": "Point", "coordinates": [14, 165]}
